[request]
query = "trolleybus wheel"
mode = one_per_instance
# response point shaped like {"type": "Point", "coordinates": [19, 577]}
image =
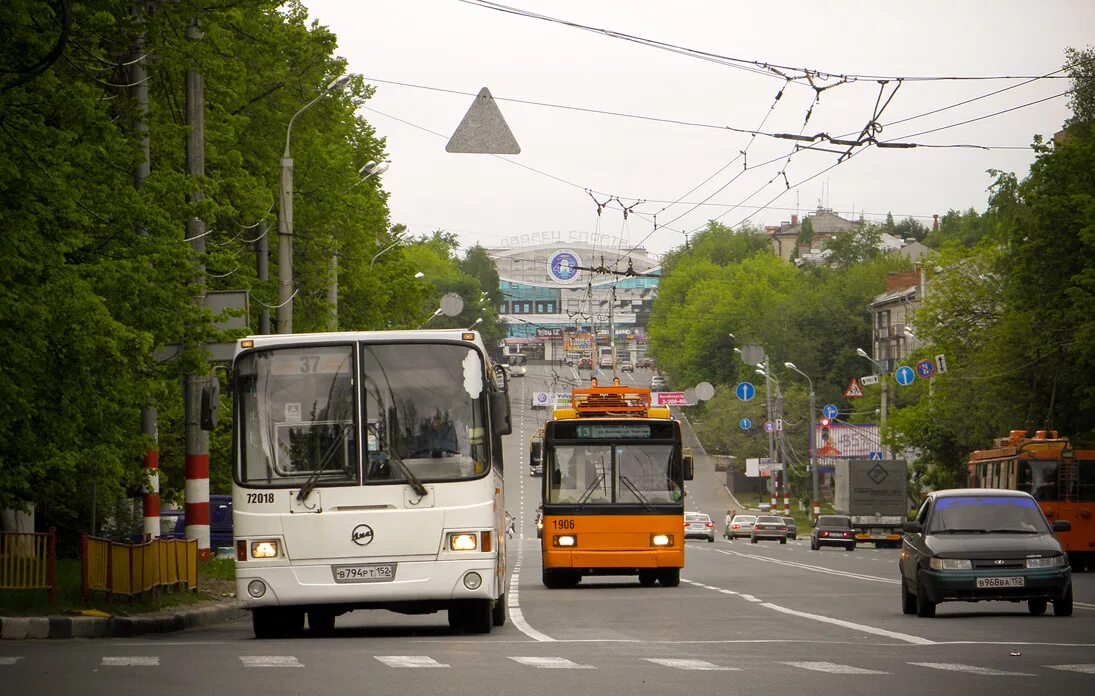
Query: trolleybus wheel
{"type": "Point", "coordinates": [552, 579]}
{"type": "Point", "coordinates": [647, 578]}
{"type": "Point", "coordinates": [670, 577]}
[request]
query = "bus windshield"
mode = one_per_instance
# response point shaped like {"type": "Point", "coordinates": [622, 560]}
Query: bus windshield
{"type": "Point", "coordinates": [606, 473]}
{"type": "Point", "coordinates": [423, 406]}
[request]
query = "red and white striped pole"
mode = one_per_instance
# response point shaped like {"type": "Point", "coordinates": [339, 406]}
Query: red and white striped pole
{"type": "Point", "coordinates": [197, 467]}
{"type": "Point", "coordinates": [786, 503]}
{"type": "Point", "coordinates": [152, 470]}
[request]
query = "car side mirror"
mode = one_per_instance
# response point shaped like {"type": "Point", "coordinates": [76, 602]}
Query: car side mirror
{"type": "Point", "coordinates": [912, 527]}
{"type": "Point", "coordinates": [1062, 526]}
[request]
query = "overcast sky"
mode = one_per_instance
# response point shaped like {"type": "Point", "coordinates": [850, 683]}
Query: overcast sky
{"type": "Point", "coordinates": [460, 47]}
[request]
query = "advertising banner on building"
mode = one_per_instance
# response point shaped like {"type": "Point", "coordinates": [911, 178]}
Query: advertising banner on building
{"type": "Point", "coordinates": [669, 399]}
{"type": "Point", "coordinates": [579, 342]}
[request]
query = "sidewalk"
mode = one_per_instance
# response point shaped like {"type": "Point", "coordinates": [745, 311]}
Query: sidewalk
{"type": "Point", "coordinates": [175, 619]}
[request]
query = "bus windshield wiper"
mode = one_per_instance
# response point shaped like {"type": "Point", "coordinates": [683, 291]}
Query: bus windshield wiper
{"type": "Point", "coordinates": [592, 487]}
{"type": "Point", "coordinates": [412, 480]}
{"type": "Point", "coordinates": [635, 491]}
{"type": "Point", "coordinates": [313, 478]}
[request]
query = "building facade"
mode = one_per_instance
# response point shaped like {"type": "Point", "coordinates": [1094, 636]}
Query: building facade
{"type": "Point", "coordinates": [560, 297]}
{"type": "Point", "coordinates": [893, 316]}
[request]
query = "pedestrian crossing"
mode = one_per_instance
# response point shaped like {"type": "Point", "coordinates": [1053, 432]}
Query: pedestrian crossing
{"type": "Point", "coordinates": [557, 662]}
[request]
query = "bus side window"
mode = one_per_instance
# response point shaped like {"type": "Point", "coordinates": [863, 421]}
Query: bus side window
{"type": "Point", "coordinates": [1026, 480]}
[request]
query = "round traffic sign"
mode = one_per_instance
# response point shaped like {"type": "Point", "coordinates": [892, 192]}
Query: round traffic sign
{"type": "Point", "coordinates": [745, 391]}
{"type": "Point", "coordinates": [704, 391]}
{"type": "Point", "coordinates": [745, 424]}
{"type": "Point", "coordinates": [925, 368]}
{"type": "Point", "coordinates": [769, 427]}
{"type": "Point", "coordinates": [904, 375]}
{"type": "Point", "coordinates": [830, 411]}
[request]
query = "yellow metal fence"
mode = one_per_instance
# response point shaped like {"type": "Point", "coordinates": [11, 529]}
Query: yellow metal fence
{"type": "Point", "coordinates": [130, 569]}
{"type": "Point", "coordinates": [27, 561]}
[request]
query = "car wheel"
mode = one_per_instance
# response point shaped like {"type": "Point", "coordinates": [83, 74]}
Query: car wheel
{"type": "Point", "coordinates": [1063, 606]}
{"type": "Point", "coordinates": [670, 577]}
{"type": "Point", "coordinates": [925, 608]}
{"type": "Point", "coordinates": [850, 547]}
{"type": "Point", "coordinates": [813, 545]}
{"type": "Point", "coordinates": [647, 578]}
{"type": "Point", "coordinates": [711, 539]}
{"type": "Point", "coordinates": [783, 540]}
{"type": "Point", "coordinates": [908, 599]}
{"type": "Point", "coordinates": [1037, 607]}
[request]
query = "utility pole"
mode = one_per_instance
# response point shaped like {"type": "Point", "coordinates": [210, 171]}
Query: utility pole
{"type": "Point", "coordinates": [814, 475]}
{"type": "Point", "coordinates": [262, 268]}
{"type": "Point", "coordinates": [197, 440]}
{"type": "Point", "coordinates": [771, 430]}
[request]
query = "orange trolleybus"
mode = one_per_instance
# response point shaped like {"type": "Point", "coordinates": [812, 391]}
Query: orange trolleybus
{"type": "Point", "coordinates": [613, 489]}
{"type": "Point", "coordinates": [1061, 479]}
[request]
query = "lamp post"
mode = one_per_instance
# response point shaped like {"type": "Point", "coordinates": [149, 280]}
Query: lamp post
{"type": "Point", "coordinates": [814, 475]}
{"type": "Point", "coordinates": [286, 293]}
{"type": "Point", "coordinates": [781, 481]}
{"type": "Point", "coordinates": [475, 323]}
{"type": "Point", "coordinates": [370, 169]}
{"type": "Point", "coordinates": [885, 389]}
{"type": "Point", "coordinates": [397, 238]}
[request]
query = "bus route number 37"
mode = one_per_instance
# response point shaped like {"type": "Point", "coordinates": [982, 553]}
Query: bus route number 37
{"type": "Point", "coordinates": [563, 524]}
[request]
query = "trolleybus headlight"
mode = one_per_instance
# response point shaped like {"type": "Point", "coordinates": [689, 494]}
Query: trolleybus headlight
{"type": "Point", "coordinates": [256, 588]}
{"type": "Point", "coordinates": [264, 549]}
{"type": "Point", "coordinates": [950, 564]}
{"type": "Point", "coordinates": [566, 540]}
{"type": "Point", "coordinates": [1047, 562]}
{"type": "Point", "coordinates": [472, 581]}
{"type": "Point", "coordinates": [661, 539]}
{"type": "Point", "coordinates": [463, 541]}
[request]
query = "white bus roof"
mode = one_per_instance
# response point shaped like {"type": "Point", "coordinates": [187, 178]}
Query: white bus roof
{"type": "Point", "coordinates": [439, 335]}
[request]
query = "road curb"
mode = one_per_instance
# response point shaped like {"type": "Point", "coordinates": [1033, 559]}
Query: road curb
{"type": "Point", "coordinates": [60, 627]}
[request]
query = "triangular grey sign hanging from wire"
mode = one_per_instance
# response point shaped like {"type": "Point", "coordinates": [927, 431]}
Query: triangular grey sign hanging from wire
{"type": "Point", "coordinates": [483, 130]}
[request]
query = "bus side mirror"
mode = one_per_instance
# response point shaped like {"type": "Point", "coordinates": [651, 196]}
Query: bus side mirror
{"type": "Point", "coordinates": [211, 404]}
{"type": "Point", "coordinates": [689, 470]}
{"type": "Point", "coordinates": [1062, 526]}
{"type": "Point", "coordinates": [499, 413]}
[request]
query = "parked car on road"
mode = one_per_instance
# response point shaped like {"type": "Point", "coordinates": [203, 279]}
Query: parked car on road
{"type": "Point", "coordinates": [832, 530]}
{"type": "Point", "coordinates": [626, 366]}
{"type": "Point", "coordinates": [792, 527]}
{"type": "Point", "coordinates": [978, 544]}
{"type": "Point", "coordinates": [658, 383]}
{"type": "Point", "coordinates": [741, 527]}
{"type": "Point", "coordinates": [698, 525]}
{"type": "Point", "coordinates": [643, 363]}
{"type": "Point", "coordinates": [769, 527]}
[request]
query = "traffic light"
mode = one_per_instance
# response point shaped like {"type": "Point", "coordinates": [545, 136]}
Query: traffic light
{"type": "Point", "coordinates": [824, 422]}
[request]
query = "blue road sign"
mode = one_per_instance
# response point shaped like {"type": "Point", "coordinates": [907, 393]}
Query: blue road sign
{"type": "Point", "coordinates": [769, 427]}
{"type": "Point", "coordinates": [874, 455]}
{"type": "Point", "coordinates": [829, 411]}
{"type": "Point", "coordinates": [745, 391]}
{"type": "Point", "coordinates": [745, 423]}
{"type": "Point", "coordinates": [904, 375]}
{"type": "Point", "coordinates": [925, 368]}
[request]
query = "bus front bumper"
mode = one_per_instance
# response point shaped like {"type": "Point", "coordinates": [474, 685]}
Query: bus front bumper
{"type": "Point", "coordinates": [621, 560]}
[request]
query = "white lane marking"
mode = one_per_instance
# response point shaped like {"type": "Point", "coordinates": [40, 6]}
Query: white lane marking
{"type": "Point", "coordinates": [970, 669]}
{"type": "Point", "coordinates": [516, 616]}
{"type": "Point", "coordinates": [270, 661]}
{"type": "Point", "coordinates": [818, 569]}
{"type": "Point", "coordinates": [701, 665]}
{"type": "Point", "coordinates": [1082, 669]}
{"type": "Point", "coordinates": [550, 663]}
{"type": "Point", "coordinates": [1084, 605]}
{"type": "Point", "coordinates": [833, 668]}
{"type": "Point", "coordinates": [410, 661]}
{"type": "Point", "coordinates": [9, 660]}
{"type": "Point", "coordinates": [131, 662]}
{"type": "Point", "coordinates": [915, 640]}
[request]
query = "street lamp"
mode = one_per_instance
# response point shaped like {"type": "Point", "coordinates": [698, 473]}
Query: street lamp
{"type": "Point", "coordinates": [286, 293]}
{"type": "Point", "coordinates": [814, 475]}
{"type": "Point", "coordinates": [397, 238]}
{"type": "Point", "coordinates": [885, 389]}
{"type": "Point", "coordinates": [474, 324]}
{"type": "Point", "coordinates": [753, 350]}
{"type": "Point", "coordinates": [370, 169]}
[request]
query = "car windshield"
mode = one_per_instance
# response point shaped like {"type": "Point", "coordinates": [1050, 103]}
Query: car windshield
{"type": "Point", "coordinates": [769, 520]}
{"type": "Point", "coordinates": [697, 518]}
{"type": "Point", "coordinates": [745, 519]}
{"type": "Point", "coordinates": [833, 521]}
{"type": "Point", "coordinates": [788, 520]}
{"type": "Point", "coordinates": [987, 514]}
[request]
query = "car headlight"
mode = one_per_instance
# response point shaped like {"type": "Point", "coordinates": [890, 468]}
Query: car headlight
{"type": "Point", "coordinates": [462, 541]}
{"type": "Point", "coordinates": [951, 564]}
{"type": "Point", "coordinates": [264, 549]}
{"type": "Point", "coordinates": [1048, 562]}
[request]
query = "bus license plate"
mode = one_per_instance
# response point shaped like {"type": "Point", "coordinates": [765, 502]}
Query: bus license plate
{"type": "Point", "coordinates": [375, 572]}
{"type": "Point", "coordinates": [1001, 582]}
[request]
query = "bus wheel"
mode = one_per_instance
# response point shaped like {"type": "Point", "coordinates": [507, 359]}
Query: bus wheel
{"type": "Point", "coordinates": [277, 622]}
{"type": "Point", "coordinates": [321, 623]}
{"type": "Point", "coordinates": [670, 577]}
{"type": "Point", "coordinates": [498, 613]}
{"type": "Point", "coordinates": [477, 618]}
{"type": "Point", "coordinates": [456, 615]}
{"type": "Point", "coordinates": [647, 578]}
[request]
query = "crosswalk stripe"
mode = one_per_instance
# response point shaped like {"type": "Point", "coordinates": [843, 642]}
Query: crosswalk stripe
{"type": "Point", "coordinates": [409, 661]}
{"type": "Point", "coordinates": [550, 663]}
{"type": "Point", "coordinates": [131, 662]}
{"type": "Point", "coordinates": [690, 664]}
{"type": "Point", "coordinates": [270, 661]}
{"type": "Point", "coordinates": [1082, 669]}
{"type": "Point", "coordinates": [9, 660]}
{"type": "Point", "coordinates": [833, 668]}
{"type": "Point", "coordinates": [970, 669]}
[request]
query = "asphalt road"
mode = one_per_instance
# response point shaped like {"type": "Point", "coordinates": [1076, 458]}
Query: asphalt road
{"type": "Point", "coordinates": [746, 619]}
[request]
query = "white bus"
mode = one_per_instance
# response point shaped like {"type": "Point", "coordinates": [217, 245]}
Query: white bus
{"type": "Point", "coordinates": [368, 475]}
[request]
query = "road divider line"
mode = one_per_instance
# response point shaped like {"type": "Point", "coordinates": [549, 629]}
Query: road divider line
{"type": "Point", "coordinates": [814, 568]}
{"type": "Point", "coordinates": [516, 616]}
{"type": "Point", "coordinates": [905, 637]}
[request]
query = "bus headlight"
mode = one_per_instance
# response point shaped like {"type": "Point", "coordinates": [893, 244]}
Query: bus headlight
{"type": "Point", "coordinates": [661, 539]}
{"type": "Point", "coordinates": [566, 540]}
{"type": "Point", "coordinates": [1048, 562]}
{"type": "Point", "coordinates": [264, 549]}
{"type": "Point", "coordinates": [950, 564]}
{"type": "Point", "coordinates": [463, 541]}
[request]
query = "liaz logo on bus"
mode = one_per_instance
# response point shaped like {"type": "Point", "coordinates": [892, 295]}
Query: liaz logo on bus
{"type": "Point", "coordinates": [362, 535]}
